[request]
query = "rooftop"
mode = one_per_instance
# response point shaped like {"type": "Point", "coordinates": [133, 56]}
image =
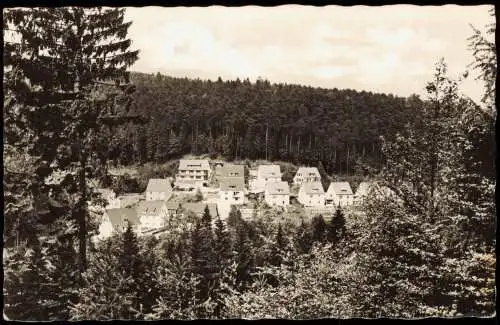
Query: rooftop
{"type": "Point", "coordinates": [340, 188]}
{"type": "Point", "coordinates": [194, 164]}
{"type": "Point", "coordinates": [278, 188]}
{"type": "Point", "coordinates": [231, 184]}
{"type": "Point", "coordinates": [306, 171]}
{"type": "Point", "coordinates": [199, 208]}
{"type": "Point", "coordinates": [159, 185]}
{"type": "Point", "coordinates": [119, 217]}
{"type": "Point", "coordinates": [150, 207]}
{"type": "Point", "coordinates": [312, 188]}
{"type": "Point", "coordinates": [269, 171]}
{"type": "Point", "coordinates": [232, 170]}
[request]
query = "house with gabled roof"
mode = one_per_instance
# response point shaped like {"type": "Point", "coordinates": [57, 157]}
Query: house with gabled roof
{"type": "Point", "coordinates": [231, 190]}
{"type": "Point", "coordinates": [265, 174]}
{"type": "Point", "coordinates": [339, 193]}
{"type": "Point", "coordinates": [158, 189]}
{"type": "Point", "coordinates": [307, 175]}
{"type": "Point", "coordinates": [277, 194]}
{"type": "Point", "coordinates": [152, 214]}
{"type": "Point", "coordinates": [311, 194]}
{"type": "Point", "coordinates": [116, 220]}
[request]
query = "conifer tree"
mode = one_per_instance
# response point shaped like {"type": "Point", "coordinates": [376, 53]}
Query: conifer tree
{"type": "Point", "coordinates": [243, 257]}
{"type": "Point", "coordinates": [131, 266]}
{"type": "Point", "coordinates": [202, 253]}
{"type": "Point", "coordinates": [303, 239]}
{"type": "Point", "coordinates": [56, 88]}
{"type": "Point", "coordinates": [336, 228]}
{"type": "Point", "coordinates": [318, 228]}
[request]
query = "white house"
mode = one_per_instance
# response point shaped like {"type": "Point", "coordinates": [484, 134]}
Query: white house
{"type": "Point", "coordinates": [265, 174]}
{"type": "Point", "coordinates": [116, 220]}
{"type": "Point", "coordinates": [232, 190]}
{"type": "Point", "coordinates": [277, 194]}
{"type": "Point", "coordinates": [152, 214]}
{"type": "Point", "coordinates": [195, 170]}
{"type": "Point", "coordinates": [158, 189]}
{"type": "Point", "coordinates": [339, 193]}
{"type": "Point", "coordinates": [311, 194]}
{"type": "Point", "coordinates": [307, 175]}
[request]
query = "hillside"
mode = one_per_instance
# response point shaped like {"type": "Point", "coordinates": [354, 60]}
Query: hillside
{"type": "Point", "coordinates": [304, 125]}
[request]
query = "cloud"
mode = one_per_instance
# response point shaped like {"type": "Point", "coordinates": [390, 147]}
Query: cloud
{"type": "Point", "coordinates": [381, 49]}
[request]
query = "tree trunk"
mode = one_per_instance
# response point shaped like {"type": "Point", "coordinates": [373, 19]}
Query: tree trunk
{"type": "Point", "coordinates": [267, 129]}
{"type": "Point", "coordinates": [82, 221]}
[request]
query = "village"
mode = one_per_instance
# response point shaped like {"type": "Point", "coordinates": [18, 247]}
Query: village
{"type": "Point", "coordinates": [221, 186]}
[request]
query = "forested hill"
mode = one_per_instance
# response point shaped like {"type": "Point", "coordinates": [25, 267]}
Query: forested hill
{"type": "Point", "coordinates": [233, 118]}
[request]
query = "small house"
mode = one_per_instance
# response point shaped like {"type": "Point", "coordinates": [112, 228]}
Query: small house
{"type": "Point", "coordinates": [339, 193]}
{"type": "Point", "coordinates": [311, 194]}
{"type": "Point", "coordinates": [307, 175]}
{"type": "Point", "coordinates": [277, 194]}
{"type": "Point", "coordinates": [158, 189]}
{"type": "Point", "coordinates": [232, 190]}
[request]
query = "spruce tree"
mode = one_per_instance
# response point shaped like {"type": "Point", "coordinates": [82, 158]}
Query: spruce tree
{"type": "Point", "coordinates": [318, 228]}
{"type": "Point", "coordinates": [203, 257]}
{"type": "Point", "coordinates": [336, 230]}
{"type": "Point", "coordinates": [60, 105]}
{"type": "Point", "coordinates": [131, 266]}
{"type": "Point", "coordinates": [243, 257]}
{"type": "Point", "coordinates": [303, 239]}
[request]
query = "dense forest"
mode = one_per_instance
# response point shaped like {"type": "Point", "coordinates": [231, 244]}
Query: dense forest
{"type": "Point", "coordinates": [239, 119]}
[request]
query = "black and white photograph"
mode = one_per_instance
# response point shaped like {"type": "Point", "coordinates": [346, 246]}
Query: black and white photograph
{"type": "Point", "coordinates": [284, 162]}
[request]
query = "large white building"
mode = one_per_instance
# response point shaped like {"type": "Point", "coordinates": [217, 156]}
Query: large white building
{"type": "Point", "coordinates": [277, 194]}
{"type": "Point", "coordinates": [232, 190]}
{"type": "Point", "coordinates": [158, 189]}
{"type": "Point", "coordinates": [311, 194]}
{"type": "Point", "coordinates": [307, 175]}
{"type": "Point", "coordinates": [339, 193]}
{"type": "Point", "coordinates": [193, 171]}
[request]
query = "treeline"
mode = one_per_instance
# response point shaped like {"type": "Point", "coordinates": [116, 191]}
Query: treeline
{"type": "Point", "coordinates": [239, 119]}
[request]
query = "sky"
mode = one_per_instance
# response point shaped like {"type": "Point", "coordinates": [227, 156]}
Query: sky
{"type": "Point", "coordinates": [388, 49]}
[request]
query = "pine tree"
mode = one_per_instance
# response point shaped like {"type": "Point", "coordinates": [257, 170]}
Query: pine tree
{"type": "Point", "coordinates": [303, 239]}
{"type": "Point", "coordinates": [56, 88]}
{"type": "Point", "coordinates": [223, 244]}
{"type": "Point", "coordinates": [234, 218]}
{"type": "Point", "coordinates": [131, 266]}
{"type": "Point", "coordinates": [203, 255]}
{"type": "Point", "coordinates": [25, 283]}
{"type": "Point", "coordinates": [336, 229]}
{"type": "Point", "coordinates": [318, 229]}
{"type": "Point", "coordinates": [243, 257]}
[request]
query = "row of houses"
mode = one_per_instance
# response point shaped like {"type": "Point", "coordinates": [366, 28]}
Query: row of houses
{"type": "Point", "coordinates": [221, 185]}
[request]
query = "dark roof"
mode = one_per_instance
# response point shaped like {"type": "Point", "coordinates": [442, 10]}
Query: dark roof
{"type": "Point", "coordinates": [119, 217]}
{"type": "Point", "coordinates": [199, 208]}
{"type": "Point", "coordinates": [150, 207]}
{"type": "Point", "coordinates": [231, 184]}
